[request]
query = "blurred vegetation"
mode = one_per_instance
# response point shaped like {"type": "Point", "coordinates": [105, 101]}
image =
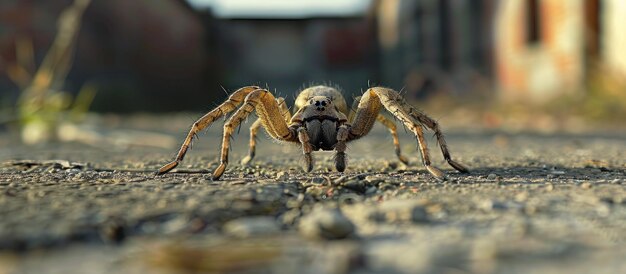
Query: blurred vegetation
{"type": "Point", "coordinates": [606, 96]}
{"type": "Point", "coordinates": [43, 105]}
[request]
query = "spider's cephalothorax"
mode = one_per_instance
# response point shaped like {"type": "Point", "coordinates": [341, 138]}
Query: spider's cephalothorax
{"type": "Point", "coordinates": [321, 121]}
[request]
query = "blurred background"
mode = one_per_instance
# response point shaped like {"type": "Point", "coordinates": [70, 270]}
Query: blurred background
{"type": "Point", "coordinates": [499, 61]}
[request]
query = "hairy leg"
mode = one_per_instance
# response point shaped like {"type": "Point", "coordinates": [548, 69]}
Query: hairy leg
{"type": "Point", "coordinates": [432, 124]}
{"type": "Point", "coordinates": [413, 119]}
{"type": "Point", "coordinates": [340, 148]}
{"type": "Point", "coordinates": [369, 106]}
{"type": "Point", "coordinates": [229, 105]}
{"type": "Point", "coordinates": [303, 137]}
{"type": "Point", "coordinates": [391, 126]}
{"type": "Point", "coordinates": [254, 130]}
{"type": "Point", "coordinates": [267, 109]}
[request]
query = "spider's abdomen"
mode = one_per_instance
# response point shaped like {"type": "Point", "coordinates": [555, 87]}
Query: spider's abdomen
{"type": "Point", "coordinates": [322, 132]}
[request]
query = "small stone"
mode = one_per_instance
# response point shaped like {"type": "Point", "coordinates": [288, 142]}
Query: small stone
{"type": "Point", "coordinates": [73, 171]}
{"type": "Point", "coordinates": [290, 217]}
{"type": "Point", "coordinates": [398, 211]}
{"type": "Point", "coordinates": [354, 185]}
{"type": "Point", "coordinates": [281, 175]}
{"type": "Point", "coordinates": [549, 187]}
{"type": "Point", "coordinates": [585, 185]}
{"type": "Point", "coordinates": [113, 230]}
{"type": "Point", "coordinates": [371, 190]}
{"type": "Point", "coordinates": [374, 179]}
{"type": "Point", "coordinates": [492, 176]}
{"type": "Point", "coordinates": [350, 198]}
{"type": "Point", "coordinates": [327, 224]}
{"type": "Point", "coordinates": [522, 196]}
{"type": "Point", "coordinates": [251, 226]}
{"type": "Point", "coordinates": [175, 225]}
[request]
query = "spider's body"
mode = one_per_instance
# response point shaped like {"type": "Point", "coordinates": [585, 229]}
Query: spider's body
{"type": "Point", "coordinates": [321, 121]}
{"type": "Point", "coordinates": [323, 111]}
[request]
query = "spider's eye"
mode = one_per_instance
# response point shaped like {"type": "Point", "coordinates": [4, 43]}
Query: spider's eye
{"type": "Point", "coordinates": [323, 103]}
{"type": "Point", "coordinates": [317, 103]}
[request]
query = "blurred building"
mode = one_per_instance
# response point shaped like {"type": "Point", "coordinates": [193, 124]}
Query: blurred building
{"type": "Point", "coordinates": [540, 47]}
{"type": "Point", "coordinates": [530, 50]}
{"type": "Point", "coordinates": [613, 35]}
{"type": "Point", "coordinates": [549, 48]}
{"type": "Point", "coordinates": [286, 45]}
{"type": "Point", "coordinates": [431, 46]}
{"type": "Point", "coordinates": [175, 54]}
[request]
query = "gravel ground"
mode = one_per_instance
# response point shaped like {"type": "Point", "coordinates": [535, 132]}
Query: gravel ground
{"type": "Point", "coordinates": [540, 203]}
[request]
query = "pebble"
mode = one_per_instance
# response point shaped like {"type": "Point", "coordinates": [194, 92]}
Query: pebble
{"type": "Point", "coordinates": [489, 205]}
{"type": "Point", "coordinates": [327, 224]}
{"type": "Point", "coordinates": [492, 176]}
{"type": "Point", "coordinates": [371, 190]}
{"type": "Point", "coordinates": [355, 185]}
{"type": "Point", "coordinates": [374, 179]}
{"type": "Point", "coordinates": [113, 230]}
{"type": "Point", "coordinates": [73, 171]}
{"type": "Point", "coordinates": [350, 198]}
{"type": "Point", "coordinates": [585, 185]}
{"type": "Point", "coordinates": [251, 226]}
{"type": "Point", "coordinates": [398, 211]}
{"type": "Point", "coordinates": [281, 175]}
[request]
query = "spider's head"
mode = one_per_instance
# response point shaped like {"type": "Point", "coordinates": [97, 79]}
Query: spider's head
{"type": "Point", "coordinates": [321, 103]}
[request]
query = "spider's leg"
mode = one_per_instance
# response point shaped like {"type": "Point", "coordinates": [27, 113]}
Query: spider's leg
{"type": "Point", "coordinates": [394, 134]}
{"type": "Point", "coordinates": [268, 110]}
{"type": "Point", "coordinates": [387, 123]}
{"type": "Point", "coordinates": [432, 124]}
{"type": "Point", "coordinates": [340, 148]}
{"type": "Point", "coordinates": [371, 103]}
{"type": "Point", "coordinates": [303, 137]}
{"type": "Point", "coordinates": [229, 105]}
{"type": "Point", "coordinates": [254, 130]}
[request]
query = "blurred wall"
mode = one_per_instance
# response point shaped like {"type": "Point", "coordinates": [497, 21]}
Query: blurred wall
{"type": "Point", "coordinates": [163, 55]}
{"type": "Point", "coordinates": [287, 55]}
{"type": "Point", "coordinates": [614, 38]}
{"type": "Point", "coordinates": [436, 46]}
{"type": "Point", "coordinates": [548, 49]}
{"type": "Point", "coordinates": [539, 48]}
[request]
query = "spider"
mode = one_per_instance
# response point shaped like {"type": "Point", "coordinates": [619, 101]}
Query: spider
{"type": "Point", "coordinates": [322, 121]}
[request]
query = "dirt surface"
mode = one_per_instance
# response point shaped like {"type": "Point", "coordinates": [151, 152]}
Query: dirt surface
{"type": "Point", "coordinates": [533, 203]}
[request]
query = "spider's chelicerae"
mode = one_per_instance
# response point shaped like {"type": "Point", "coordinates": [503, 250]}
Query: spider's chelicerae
{"type": "Point", "coordinates": [322, 121]}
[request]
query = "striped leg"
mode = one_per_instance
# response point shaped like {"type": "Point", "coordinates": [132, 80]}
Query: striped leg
{"type": "Point", "coordinates": [268, 110]}
{"type": "Point", "coordinates": [254, 130]}
{"type": "Point", "coordinates": [391, 126]}
{"type": "Point", "coordinates": [231, 104]}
